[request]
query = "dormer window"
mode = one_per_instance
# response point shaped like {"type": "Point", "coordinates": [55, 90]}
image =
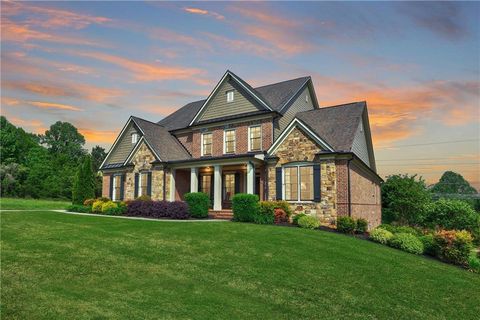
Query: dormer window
{"type": "Point", "coordinates": [134, 138]}
{"type": "Point", "coordinates": [230, 96]}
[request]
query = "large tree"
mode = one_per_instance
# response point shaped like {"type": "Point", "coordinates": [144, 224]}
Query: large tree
{"type": "Point", "coordinates": [15, 143]}
{"type": "Point", "coordinates": [64, 139]}
{"type": "Point", "coordinates": [98, 155]}
{"type": "Point", "coordinates": [453, 183]}
{"type": "Point", "coordinates": [404, 199]}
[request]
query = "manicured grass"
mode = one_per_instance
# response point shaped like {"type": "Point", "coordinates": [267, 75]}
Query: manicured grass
{"type": "Point", "coordinates": [23, 204]}
{"type": "Point", "coordinates": [64, 266]}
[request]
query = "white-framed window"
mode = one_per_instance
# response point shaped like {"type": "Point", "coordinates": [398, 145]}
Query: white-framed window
{"type": "Point", "coordinates": [306, 98]}
{"type": "Point", "coordinates": [255, 138]}
{"type": "Point", "coordinates": [230, 96]}
{"type": "Point", "coordinates": [143, 184]}
{"type": "Point", "coordinates": [134, 137]}
{"type": "Point", "coordinates": [298, 182]}
{"type": "Point", "coordinates": [229, 141]}
{"type": "Point", "coordinates": [116, 194]}
{"type": "Point", "coordinates": [206, 144]}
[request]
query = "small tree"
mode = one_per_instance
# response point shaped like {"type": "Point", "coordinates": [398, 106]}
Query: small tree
{"type": "Point", "coordinates": [84, 182]}
{"type": "Point", "coordinates": [403, 199]}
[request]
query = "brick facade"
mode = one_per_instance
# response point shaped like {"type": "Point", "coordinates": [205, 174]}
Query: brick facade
{"type": "Point", "coordinates": [106, 185]}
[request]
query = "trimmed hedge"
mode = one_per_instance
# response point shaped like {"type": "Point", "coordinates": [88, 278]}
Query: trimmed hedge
{"type": "Point", "coordinates": [406, 242]}
{"type": "Point", "coordinates": [158, 209]}
{"type": "Point", "coordinates": [346, 224]}
{"type": "Point", "coordinates": [380, 235]}
{"type": "Point", "coordinates": [245, 207]}
{"type": "Point", "coordinates": [308, 222]}
{"type": "Point", "coordinates": [198, 204]}
{"type": "Point", "coordinates": [361, 226]}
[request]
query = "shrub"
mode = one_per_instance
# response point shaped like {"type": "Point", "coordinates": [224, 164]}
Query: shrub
{"type": "Point", "coordinates": [406, 242]}
{"type": "Point", "coordinates": [452, 215]}
{"type": "Point", "coordinates": [453, 246]}
{"type": "Point", "coordinates": [284, 205]}
{"type": "Point", "coordinates": [408, 229]}
{"type": "Point", "coordinates": [308, 222]}
{"type": "Point", "coordinates": [388, 227]}
{"type": "Point", "coordinates": [103, 199]}
{"type": "Point", "coordinates": [346, 224]}
{"type": "Point", "coordinates": [177, 210]}
{"type": "Point", "coordinates": [97, 206]}
{"type": "Point", "coordinates": [158, 209]}
{"type": "Point", "coordinates": [198, 204]}
{"type": "Point", "coordinates": [88, 202]}
{"type": "Point", "coordinates": [428, 244]}
{"type": "Point", "coordinates": [297, 217]}
{"type": "Point", "coordinates": [280, 216]}
{"type": "Point", "coordinates": [361, 226]}
{"type": "Point", "coordinates": [265, 213]}
{"type": "Point", "coordinates": [474, 263]}
{"type": "Point", "coordinates": [245, 207]}
{"type": "Point", "coordinates": [116, 211]}
{"type": "Point", "coordinates": [139, 208]}
{"type": "Point", "coordinates": [78, 208]}
{"type": "Point", "coordinates": [108, 205]}
{"type": "Point", "coordinates": [380, 235]}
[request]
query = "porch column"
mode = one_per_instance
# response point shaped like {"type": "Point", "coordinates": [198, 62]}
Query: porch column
{"type": "Point", "coordinates": [194, 180]}
{"type": "Point", "coordinates": [250, 178]}
{"type": "Point", "coordinates": [172, 185]}
{"type": "Point", "coordinates": [217, 187]}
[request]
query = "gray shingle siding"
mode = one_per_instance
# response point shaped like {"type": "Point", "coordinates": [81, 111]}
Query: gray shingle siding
{"type": "Point", "coordinates": [124, 146]}
{"type": "Point", "coordinates": [298, 105]}
{"type": "Point", "coordinates": [359, 145]}
{"type": "Point", "coordinates": [218, 106]}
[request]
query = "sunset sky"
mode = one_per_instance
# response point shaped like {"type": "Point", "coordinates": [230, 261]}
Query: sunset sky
{"type": "Point", "coordinates": [96, 63]}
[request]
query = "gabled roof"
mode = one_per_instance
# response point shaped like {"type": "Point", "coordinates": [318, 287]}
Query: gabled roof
{"type": "Point", "coordinates": [337, 125]}
{"type": "Point", "coordinates": [276, 96]}
{"type": "Point", "coordinates": [163, 144]}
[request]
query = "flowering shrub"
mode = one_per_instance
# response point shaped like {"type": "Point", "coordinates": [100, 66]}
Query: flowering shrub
{"type": "Point", "coordinates": [308, 222]}
{"type": "Point", "coordinates": [406, 242]}
{"type": "Point", "coordinates": [453, 246]}
{"type": "Point", "coordinates": [380, 235]}
{"type": "Point", "coordinates": [108, 205]}
{"type": "Point", "coordinates": [97, 206]}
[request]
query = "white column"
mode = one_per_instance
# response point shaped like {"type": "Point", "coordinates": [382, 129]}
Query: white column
{"type": "Point", "coordinates": [194, 180]}
{"type": "Point", "coordinates": [217, 187]}
{"type": "Point", "coordinates": [172, 185]}
{"type": "Point", "coordinates": [250, 178]}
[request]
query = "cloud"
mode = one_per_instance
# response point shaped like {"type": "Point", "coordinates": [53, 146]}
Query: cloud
{"type": "Point", "coordinates": [246, 46]}
{"type": "Point", "coordinates": [204, 12]}
{"type": "Point", "coordinates": [98, 136]}
{"type": "Point", "coordinates": [144, 71]}
{"type": "Point", "coordinates": [171, 36]}
{"type": "Point", "coordinates": [51, 105]}
{"type": "Point", "coordinates": [441, 18]}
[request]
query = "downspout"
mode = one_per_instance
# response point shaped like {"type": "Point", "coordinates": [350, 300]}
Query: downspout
{"type": "Point", "coordinates": [349, 189]}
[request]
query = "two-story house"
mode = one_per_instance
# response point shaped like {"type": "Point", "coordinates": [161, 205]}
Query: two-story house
{"type": "Point", "coordinates": [273, 140]}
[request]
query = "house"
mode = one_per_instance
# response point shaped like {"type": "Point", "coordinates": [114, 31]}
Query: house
{"type": "Point", "coordinates": [274, 141]}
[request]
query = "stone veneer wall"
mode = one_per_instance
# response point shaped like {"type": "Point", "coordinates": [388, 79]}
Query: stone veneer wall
{"type": "Point", "coordinates": [299, 147]}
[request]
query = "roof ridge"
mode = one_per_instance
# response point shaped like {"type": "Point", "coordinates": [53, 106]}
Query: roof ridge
{"type": "Point", "coordinates": [341, 105]}
{"type": "Point", "coordinates": [151, 122]}
{"type": "Point", "coordinates": [271, 84]}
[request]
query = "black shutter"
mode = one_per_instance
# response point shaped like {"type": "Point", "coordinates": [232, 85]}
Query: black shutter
{"type": "Point", "coordinates": [135, 194]}
{"type": "Point", "coordinates": [149, 184]}
{"type": "Point", "coordinates": [122, 186]}
{"type": "Point", "coordinates": [278, 183]}
{"type": "Point", "coordinates": [111, 187]}
{"type": "Point", "coordinates": [237, 182]}
{"type": "Point", "coordinates": [316, 182]}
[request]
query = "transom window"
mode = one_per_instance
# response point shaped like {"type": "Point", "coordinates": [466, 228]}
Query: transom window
{"type": "Point", "coordinates": [207, 144]}
{"type": "Point", "coordinates": [230, 96]}
{"type": "Point", "coordinates": [229, 141]}
{"type": "Point", "coordinates": [298, 183]}
{"type": "Point", "coordinates": [143, 184]}
{"type": "Point", "coordinates": [255, 138]}
{"type": "Point", "coordinates": [116, 188]}
{"type": "Point", "coordinates": [134, 137]}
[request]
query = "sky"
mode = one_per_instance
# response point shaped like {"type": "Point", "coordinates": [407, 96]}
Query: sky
{"type": "Point", "coordinates": [96, 63]}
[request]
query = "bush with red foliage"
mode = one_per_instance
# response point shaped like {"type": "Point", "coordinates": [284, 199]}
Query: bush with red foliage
{"type": "Point", "coordinates": [280, 216]}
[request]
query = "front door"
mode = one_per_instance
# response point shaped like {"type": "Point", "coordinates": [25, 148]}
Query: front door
{"type": "Point", "coordinates": [231, 185]}
{"type": "Point", "coordinates": [206, 186]}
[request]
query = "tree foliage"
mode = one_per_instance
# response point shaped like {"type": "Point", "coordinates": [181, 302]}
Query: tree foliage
{"type": "Point", "coordinates": [404, 199]}
{"type": "Point", "coordinates": [64, 139]}
{"type": "Point", "coordinates": [453, 183]}
{"type": "Point", "coordinates": [84, 182]}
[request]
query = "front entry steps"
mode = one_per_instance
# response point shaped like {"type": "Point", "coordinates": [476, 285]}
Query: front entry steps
{"type": "Point", "coordinates": [225, 214]}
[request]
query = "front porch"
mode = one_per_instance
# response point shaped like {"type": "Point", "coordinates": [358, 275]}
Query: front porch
{"type": "Point", "coordinates": [220, 181]}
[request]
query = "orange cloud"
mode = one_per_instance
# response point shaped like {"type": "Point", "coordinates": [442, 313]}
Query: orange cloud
{"type": "Point", "coordinates": [143, 71]}
{"type": "Point", "coordinates": [98, 136]}
{"type": "Point", "coordinates": [51, 105]}
{"type": "Point", "coordinates": [176, 37]}
{"type": "Point", "coordinates": [204, 12]}
{"type": "Point", "coordinates": [196, 10]}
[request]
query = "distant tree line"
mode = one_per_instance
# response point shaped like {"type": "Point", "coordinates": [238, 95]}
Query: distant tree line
{"type": "Point", "coordinates": [44, 165]}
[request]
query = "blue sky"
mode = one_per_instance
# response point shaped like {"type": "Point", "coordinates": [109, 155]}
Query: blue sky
{"type": "Point", "coordinates": [96, 63]}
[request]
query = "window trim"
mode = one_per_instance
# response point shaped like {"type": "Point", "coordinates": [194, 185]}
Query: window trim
{"type": "Point", "coordinates": [140, 174]}
{"type": "Point", "coordinates": [225, 141]}
{"type": "Point", "coordinates": [299, 181]}
{"type": "Point", "coordinates": [134, 135]}
{"type": "Point", "coordinates": [115, 177]}
{"type": "Point", "coordinates": [261, 137]}
{"type": "Point", "coordinates": [202, 151]}
{"type": "Point", "coordinates": [233, 95]}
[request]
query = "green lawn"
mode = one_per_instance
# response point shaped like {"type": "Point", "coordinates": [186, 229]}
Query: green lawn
{"type": "Point", "coordinates": [60, 266]}
{"type": "Point", "coordinates": [24, 204]}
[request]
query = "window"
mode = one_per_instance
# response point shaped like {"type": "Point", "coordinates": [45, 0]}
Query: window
{"type": "Point", "coordinates": [206, 185]}
{"type": "Point", "coordinates": [229, 186]}
{"type": "Point", "coordinates": [298, 183]}
{"type": "Point", "coordinates": [117, 180]}
{"type": "Point", "coordinates": [143, 184]}
{"type": "Point", "coordinates": [229, 141]}
{"type": "Point", "coordinates": [255, 138]}
{"type": "Point", "coordinates": [306, 98]}
{"type": "Point", "coordinates": [230, 96]}
{"type": "Point", "coordinates": [134, 137]}
{"type": "Point", "coordinates": [207, 144]}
